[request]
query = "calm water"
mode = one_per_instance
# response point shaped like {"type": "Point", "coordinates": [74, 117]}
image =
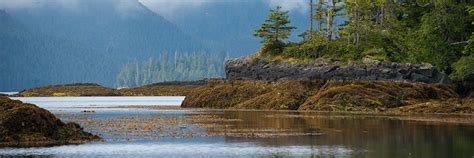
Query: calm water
{"type": "Point", "coordinates": [144, 132]}
{"type": "Point", "coordinates": [9, 93]}
{"type": "Point", "coordinates": [53, 103]}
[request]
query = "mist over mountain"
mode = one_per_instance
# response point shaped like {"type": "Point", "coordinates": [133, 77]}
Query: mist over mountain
{"type": "Point", "coordinates": [231, 24]}
{"type": "Point", "coordinates": [56, 42]}
{"type": "Point", "coordinates": [29, 58]}
{"type": "Point", "coordinates": [53, 45]}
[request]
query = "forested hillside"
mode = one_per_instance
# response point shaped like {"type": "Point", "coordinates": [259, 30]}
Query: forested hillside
{"type": "Point", "coordinates": [407, 31]}
{"type": "Point", "coordinates": [29, 58]}
{"type": "Point", "coordinates": [176, 66]}
{"type": "Point", "coordinates": [52, 45]}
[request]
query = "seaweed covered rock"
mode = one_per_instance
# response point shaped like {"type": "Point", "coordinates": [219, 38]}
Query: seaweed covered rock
{"type": "Point", "coordinates": [176, 88]}
{"type": "Point", "coordinates": [250, 94]}
{"type": "Point", "coordinates": [374, 95]}
{"type": "Point", "coordinates": [284, 95]}
{"type": "Point", "coordinates": [159, 89]}
{"type": "Point", "coordinates": [24, 124]}
{"type": "Point", "coordinates": [78, 89]}
{"type": "Point", "coordinates": [225, 94]}
{"type": "Point", "coordinates": [438, 106]}
{"type": "Point", "coordinates": [320, 95]}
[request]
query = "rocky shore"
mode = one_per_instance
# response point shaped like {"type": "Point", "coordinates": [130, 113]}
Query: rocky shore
{"type": "Point", "coordinates": [25, 125]}
{"type": "Point", "coordinates": [258, 68]}
{"type": "Point", "coordinates": [306, 95]}
{"type": "Point", "coordinates": [257, 83]}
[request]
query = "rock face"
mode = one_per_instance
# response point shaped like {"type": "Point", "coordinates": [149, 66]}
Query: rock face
{"type": "Point", "coordinates": [262, 69]}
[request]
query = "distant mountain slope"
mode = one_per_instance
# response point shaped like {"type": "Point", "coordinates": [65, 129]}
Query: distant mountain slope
{"type": "Point", "coordinates": [92, 40]}
{"type": "Point", "coordinates": [231, 24]}
{"type": "Point", "coordinates": [30, 59]}
{"type": "Point", "coordinates": [105, 25]}
{"type": "Point", "coordinates": [90, 43]}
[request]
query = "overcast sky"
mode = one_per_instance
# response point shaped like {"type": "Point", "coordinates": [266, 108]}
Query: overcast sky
{"type": "Point", "coordinates": [164, 7]}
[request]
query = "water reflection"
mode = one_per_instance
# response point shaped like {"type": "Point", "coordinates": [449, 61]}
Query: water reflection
{"type": "Point", "coordinates": [382, 136]}
{"type": "Point", "coordinates": [216, 133]}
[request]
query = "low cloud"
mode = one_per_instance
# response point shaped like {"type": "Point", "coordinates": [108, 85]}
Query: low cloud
{"type": "Point", "coordinates": [28, 4]}
{"type": "Point", "coordinates": [127, 8]}
{"type": "Point", "coordinates": [292, 5]}
{"type": "Point", "coordinates": [168, 8]}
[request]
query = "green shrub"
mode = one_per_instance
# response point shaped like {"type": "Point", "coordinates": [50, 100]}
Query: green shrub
{"type": "Point", "coordinates": [272, 48]}
{"type": "Point", "coordinates": [375, 54]}
{"type": "Point", "coordinates": [464, 68]}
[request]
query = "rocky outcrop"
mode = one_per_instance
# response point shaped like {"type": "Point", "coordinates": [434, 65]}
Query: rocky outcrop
{"type": "Point", "coordinates": [24, 125]}
{"type": "Point", "coordinates": [247, 68]}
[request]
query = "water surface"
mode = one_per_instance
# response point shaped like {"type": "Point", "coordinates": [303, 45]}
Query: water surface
{"type": "Point", "coordinates": [9, 93]}
{"type": "Point", "coordinates": [112, 101]}
{"type": "Point", "coordinates": [152, 132]}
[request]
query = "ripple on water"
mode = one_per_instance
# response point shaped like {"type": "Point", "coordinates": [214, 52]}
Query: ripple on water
{"type": "Point", "coordinates": [178, 150]}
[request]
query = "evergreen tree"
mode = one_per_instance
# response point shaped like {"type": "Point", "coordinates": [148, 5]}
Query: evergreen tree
{"type": "Point", "coordinates": [179, 66]}
{"type": "Point", "coordinates": [320, 14]}
{"type": "Point", "coordinates": [464, 67]}
{"type": "Point", "coordinates": [275, 29]}
{"type": "Point", "coordinates": [333, 11]}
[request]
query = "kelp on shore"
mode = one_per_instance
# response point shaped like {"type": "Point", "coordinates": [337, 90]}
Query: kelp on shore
{"type": "Point", "coordinates": [318, 95]}
{"type": "Point", "coordinates": [309, 95]}
{"type": "Point", "coordinates": [23, 125]}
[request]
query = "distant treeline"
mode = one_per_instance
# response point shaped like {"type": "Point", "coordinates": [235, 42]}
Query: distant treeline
{"type": "Point", "coordinates": [177, 66]}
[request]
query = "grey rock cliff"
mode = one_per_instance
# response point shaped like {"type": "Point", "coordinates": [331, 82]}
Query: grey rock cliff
{"type": "Point", "coordinates": [263, 69]}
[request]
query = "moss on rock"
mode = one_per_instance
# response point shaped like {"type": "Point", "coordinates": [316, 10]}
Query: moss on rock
{"type": "Point", "coordinates": [24, 124]}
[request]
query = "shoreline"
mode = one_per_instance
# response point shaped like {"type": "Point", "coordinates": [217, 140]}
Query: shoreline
{"type": "Point", "coordinates": [386, 97]}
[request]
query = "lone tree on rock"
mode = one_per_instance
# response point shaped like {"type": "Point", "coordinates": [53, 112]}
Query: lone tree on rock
{"type": "Point", "coordinates": [275, 29]}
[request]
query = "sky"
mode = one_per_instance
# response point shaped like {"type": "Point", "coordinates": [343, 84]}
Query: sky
{"type": "Point", "coordinates": [166, 8]}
